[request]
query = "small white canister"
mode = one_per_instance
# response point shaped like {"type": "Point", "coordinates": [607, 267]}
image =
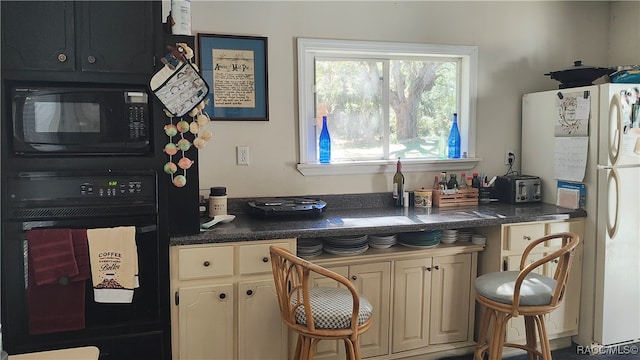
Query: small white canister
{"type": "Point", "coordinates": [218, 201]}
{"type": "Point", "coordinates": [422, 198]}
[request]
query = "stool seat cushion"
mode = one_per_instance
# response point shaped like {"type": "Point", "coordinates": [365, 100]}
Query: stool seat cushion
{"type": "Point", "coordinates": [536, 289]}
{"type": "Point", "coordinates": [332, 307]}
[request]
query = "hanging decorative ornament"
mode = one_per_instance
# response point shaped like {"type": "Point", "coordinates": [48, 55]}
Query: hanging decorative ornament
{"type": "Point", "coordinates": [183, 91]}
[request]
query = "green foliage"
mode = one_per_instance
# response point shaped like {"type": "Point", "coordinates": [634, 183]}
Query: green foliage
{"type": "Point", "coordinates": [422, 98]}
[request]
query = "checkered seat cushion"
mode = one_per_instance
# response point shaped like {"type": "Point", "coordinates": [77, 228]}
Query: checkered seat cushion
{"type": "Point", "coordinates": [536, 289]}
{"type": "Point", "coordinates": [331, 308]}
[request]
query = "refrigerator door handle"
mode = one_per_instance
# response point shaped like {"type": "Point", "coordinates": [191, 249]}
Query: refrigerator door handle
{"type": "Point", "coordinates": [613, 180]}
{"type": "Point", "coordinates": [615, 118]}
{"type": "Point", "coordinates": [609, 167]}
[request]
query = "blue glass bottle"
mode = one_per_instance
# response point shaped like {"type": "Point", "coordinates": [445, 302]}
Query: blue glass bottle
{"type": "Point", "coordinates": [453, 148]}
{"type": "Point", "coordinates": [325, 143]}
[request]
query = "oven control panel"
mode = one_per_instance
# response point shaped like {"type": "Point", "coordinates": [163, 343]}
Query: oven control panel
{"type": "Point", "coordinates": [79, 187]}
{"type": "Point", "coordinates": [113, 187]}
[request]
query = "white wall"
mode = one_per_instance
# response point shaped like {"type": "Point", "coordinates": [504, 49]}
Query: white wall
{"type": "Point", "coordinates": [518, 43]}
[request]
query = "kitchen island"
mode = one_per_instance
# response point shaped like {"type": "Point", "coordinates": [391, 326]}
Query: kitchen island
{"type": "Point", "coordinates": [224, 304]}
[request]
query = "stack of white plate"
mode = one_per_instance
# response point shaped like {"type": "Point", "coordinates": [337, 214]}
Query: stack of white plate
{"type": "Point", "coordinates": [309, 247]}
{"type": "Point", "coordinates": [478, 239]}
{"type": "Point", "coordinates": [449, 236]}
{"type": "Point", "coordinates": [346, 245]}
{"type": "Point", "coordinates": [464, 235]}
{"type": "Point", "coordinates": [382, 241]}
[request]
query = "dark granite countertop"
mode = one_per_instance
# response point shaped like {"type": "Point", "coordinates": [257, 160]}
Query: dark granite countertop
{"type": "Point", "coordinates": [346, 215]}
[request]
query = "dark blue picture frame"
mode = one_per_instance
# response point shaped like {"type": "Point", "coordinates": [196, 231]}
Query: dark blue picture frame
{"type": "Point", "coordinates": [209, 42]}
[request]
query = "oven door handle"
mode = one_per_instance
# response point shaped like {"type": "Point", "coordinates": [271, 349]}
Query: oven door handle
{"type": "Point", "coordinates": [28, 225]}
{"type": "Point", "coordinates": [146, 229]}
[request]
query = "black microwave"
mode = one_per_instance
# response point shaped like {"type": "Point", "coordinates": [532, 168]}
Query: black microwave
{"type": "Point", "coordinates": [80, 120]}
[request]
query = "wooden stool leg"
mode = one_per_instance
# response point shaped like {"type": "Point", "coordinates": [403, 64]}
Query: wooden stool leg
{"type": "Point", "coordinates": [482, 344]}
{"type": "Point", "coordinates": [530, 331]}
{"type": "Point", "coordinates": [497, 340]}
{"type": "Point", "coordinates": [298, 353]}
{"type": "Point", "coordinates": [306, 351]}
{"type": "Point", "coordinates": [544, 339]}
{"type": "Point", "coordinates": [350, 349]}
{"type": "Point", "coordinates": [356, 349]}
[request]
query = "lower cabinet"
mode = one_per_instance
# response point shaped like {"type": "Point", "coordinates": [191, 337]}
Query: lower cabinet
{"type": "Point", "coordinates": [505, 245]}
{"type": "Point", "coordinates": [373, 280]}
{"type": "Point", "coordinates": [431, 301]}
{"type": "Point", "coordinates": [224, 305]}
{"type": "Point", "coordinates": [422, 299]}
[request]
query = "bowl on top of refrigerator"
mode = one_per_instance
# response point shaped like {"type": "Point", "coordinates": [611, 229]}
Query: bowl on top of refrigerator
{"type": "Point", "coordinates": [579, 75]}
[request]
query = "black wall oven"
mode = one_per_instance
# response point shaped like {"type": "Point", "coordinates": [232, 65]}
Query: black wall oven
{"type": "Point", "coordinates": [87, 200]}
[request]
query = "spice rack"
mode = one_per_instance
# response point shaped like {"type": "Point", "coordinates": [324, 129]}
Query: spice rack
{"type": "Point", "coordinates": [463, 197]}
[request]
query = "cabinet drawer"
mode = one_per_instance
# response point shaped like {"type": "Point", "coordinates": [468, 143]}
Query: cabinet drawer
{"type": "Point", "coordinates": [520, 236]}
{"type": "Point", "coordinates": [204, 262]}
{"type": "Point", "coordinates": [554, 228]}
{"type": "Point", "coordinates": [513, 263]}
{"type": "Point", "coordinates": [255, 259]}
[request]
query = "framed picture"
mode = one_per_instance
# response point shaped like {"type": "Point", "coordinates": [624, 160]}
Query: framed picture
{"type": "Point", "coordinates": [235, 68]}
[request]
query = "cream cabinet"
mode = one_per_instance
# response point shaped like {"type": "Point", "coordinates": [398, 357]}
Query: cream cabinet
{"type": "Point", "coordinates": [431, 301]}
{"type": "Point", "coordinates": [224, 304]}
{"type": "Point", "coordinates": [422, 299]}
{"type": "Point", "coordinates": [505, 245]}
{"type": "Point", "coordinates": [373, 281]}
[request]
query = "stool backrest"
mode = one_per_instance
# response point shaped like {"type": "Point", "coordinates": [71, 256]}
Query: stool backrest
{"type": "Point", "coordinates": [291, 275]}
{"type": "Point", "coordinates": [564, 257]}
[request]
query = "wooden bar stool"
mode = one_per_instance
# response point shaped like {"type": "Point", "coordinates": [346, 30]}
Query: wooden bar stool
{"type": "Point", "coordinates": [318, 313]}
{"type": "Point", "coordinates": [509, 294]}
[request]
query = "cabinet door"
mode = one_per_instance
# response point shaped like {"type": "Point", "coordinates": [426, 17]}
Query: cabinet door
{"type": "Point", "coordinates": [329, 349]}
{"type": "Point", "coordinates": [206, 322]}
{"type": "Point", "coordinates": [116, 36]}
{"type": "Point", "coordinates": [38, 35]}
{"type": "Point", "coordinates": [515, 327]}
{"type": "Point", "coordinates": [261, 332]}
{"type": "Point", "coordinates": [564, 319]}
{"type": "Point", "coordinates": [450, 296]}
{"type": "Point", "coordinates": [373, 281]}
{"type": "Point", "coordinates": [411, 304]}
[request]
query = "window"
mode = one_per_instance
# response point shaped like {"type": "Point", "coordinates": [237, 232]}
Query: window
{"type": "Point", "coordinates": [384, 101]}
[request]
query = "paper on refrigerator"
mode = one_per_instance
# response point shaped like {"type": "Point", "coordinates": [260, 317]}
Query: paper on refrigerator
{"type": "Point", "coordinates": [570, 158]}
{"type": "Point", "coordinates": [571, 141]}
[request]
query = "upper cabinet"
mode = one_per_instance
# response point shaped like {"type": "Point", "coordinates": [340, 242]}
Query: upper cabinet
{"type": "Point", "coordinates": [80, 36]}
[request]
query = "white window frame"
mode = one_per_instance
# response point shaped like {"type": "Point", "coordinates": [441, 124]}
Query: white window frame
{"type": "Point", "coordinates": [309, 49]}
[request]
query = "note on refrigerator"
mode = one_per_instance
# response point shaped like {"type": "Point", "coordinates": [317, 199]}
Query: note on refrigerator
{"type": "Point", "coordinates": [570, 158]}
{"type": "Point", "coordinates": [573, 111]}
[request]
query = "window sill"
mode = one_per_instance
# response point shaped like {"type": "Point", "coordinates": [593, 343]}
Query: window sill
{"type": "Point", "coordinates": [387, 166]}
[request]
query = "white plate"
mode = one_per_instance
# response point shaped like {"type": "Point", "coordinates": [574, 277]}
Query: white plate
{"type": "Point", "coordinates": [381, 246]}
{"type": "Point", "coordinates": [419, 246]}
{"type": "Point", "coordinates": [346, 252]}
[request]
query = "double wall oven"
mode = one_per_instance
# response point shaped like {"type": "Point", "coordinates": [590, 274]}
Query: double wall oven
{"type": "Point", "coordinates": [84, 156]}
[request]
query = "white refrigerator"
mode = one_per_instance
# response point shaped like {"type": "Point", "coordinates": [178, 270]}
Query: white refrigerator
{"type": "Point", "coordinates": [610, 295]}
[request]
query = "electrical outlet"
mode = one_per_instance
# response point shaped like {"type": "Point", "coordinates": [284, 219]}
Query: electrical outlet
{"type": "Point", "coordinates": [509, 157]}
{"type": "Point", "coordinates": [242, 153]}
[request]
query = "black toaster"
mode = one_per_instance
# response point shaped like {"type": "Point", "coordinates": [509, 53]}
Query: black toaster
{"type": "Point", "coordinates": [516, 189]}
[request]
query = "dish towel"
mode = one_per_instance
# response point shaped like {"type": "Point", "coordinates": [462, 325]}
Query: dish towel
{"type": "Point", "coordinates": [57, 303]}
{"type": "Point", "coordinates": [113, 256]}
{"type": "Point", "coordinates": [51, 251]}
